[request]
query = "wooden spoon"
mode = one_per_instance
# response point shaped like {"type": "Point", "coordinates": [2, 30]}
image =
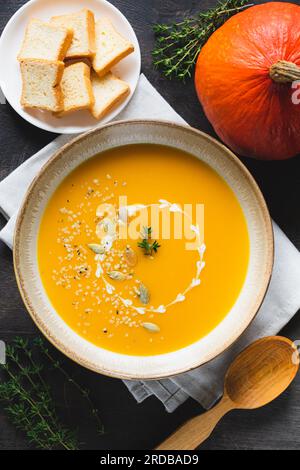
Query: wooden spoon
{"type": "Point", "coordinates": [258, 375]}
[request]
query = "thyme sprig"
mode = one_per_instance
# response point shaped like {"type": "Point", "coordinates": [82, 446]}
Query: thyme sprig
{"type": "Point", "coordinates": [146, 244]}
{"type": "Point", "coordinates": [27, 399]}
{"type": "Point", "coordinates": [29, 404]}
{"type": "Point", "coordinates": [178, 44]}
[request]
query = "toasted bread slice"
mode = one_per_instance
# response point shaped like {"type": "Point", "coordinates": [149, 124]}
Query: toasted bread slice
{"type": "Point", "coordinates": [108, 92]}
{"type": "Point", "coordinates": [83, 25]}
{"type": "Point", "coordinates": [76, 88]}
{"type": "Point", "coordinates": [45, 41]}
{"type": "Point", "coordinates": [111, 47]}
{"type": "Point", "coordinates": [41, 84]}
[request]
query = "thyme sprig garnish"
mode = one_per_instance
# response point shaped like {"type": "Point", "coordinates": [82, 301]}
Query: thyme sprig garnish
{"type": "Point", "coordinates": [148, 247]}
{"type": "Point", "coordinates": [178, 44]}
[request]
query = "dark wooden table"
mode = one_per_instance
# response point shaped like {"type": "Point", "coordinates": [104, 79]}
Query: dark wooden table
{"type": "Point", "coordinates": [128, 425]}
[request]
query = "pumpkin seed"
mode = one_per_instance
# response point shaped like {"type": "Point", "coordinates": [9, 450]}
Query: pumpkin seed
{"type": "Point", "coordinates": [106, 226]}
{"type": "Point", "coordinates": [151, 327]}
{"type": "Point", "coordinates": [130, 256]}
{"type": "Point", "coordinates": [118, 276]}
{"type": "Point", "coordinates": [144, 294]}
{"type": "Point", "coordinates": [96, 248]}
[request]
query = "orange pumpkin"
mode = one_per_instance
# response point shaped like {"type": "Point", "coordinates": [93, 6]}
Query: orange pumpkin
{"type": "Point", "coordinates": [245, 79]}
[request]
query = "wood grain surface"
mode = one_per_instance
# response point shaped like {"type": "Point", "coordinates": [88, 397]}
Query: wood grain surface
{"type": "Point", "coordinates": [129, 425]}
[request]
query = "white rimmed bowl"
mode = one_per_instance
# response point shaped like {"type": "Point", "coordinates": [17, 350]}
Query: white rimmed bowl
{"type": "Point", "coordinates": [10, 77]}
{"type": "Point", "coordinates": [238, 318]}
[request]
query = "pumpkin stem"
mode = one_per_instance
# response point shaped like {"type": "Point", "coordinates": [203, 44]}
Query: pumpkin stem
{"type": "Point", "coordinates": [284, 72]}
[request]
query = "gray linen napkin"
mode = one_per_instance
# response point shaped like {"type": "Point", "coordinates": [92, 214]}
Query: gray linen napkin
{"type": "Point", "coordinates": [282, 301]}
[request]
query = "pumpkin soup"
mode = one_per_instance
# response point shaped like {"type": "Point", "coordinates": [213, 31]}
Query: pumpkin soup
{"type": "Point", "coordinates": [143, 249]}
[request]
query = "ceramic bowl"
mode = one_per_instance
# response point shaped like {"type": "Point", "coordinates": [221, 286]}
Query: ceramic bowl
{"type": "Point", "coordinates": [238, 318]}
{"type": "Point", "coordinates": [11, 39]}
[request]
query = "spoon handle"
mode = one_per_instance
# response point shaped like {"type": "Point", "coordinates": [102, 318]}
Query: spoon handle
{"type": "Point", "coordinates": [198, 429]}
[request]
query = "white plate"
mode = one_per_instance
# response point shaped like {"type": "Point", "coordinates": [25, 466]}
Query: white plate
{"type": "Point", "coordinates": [10, 77]}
